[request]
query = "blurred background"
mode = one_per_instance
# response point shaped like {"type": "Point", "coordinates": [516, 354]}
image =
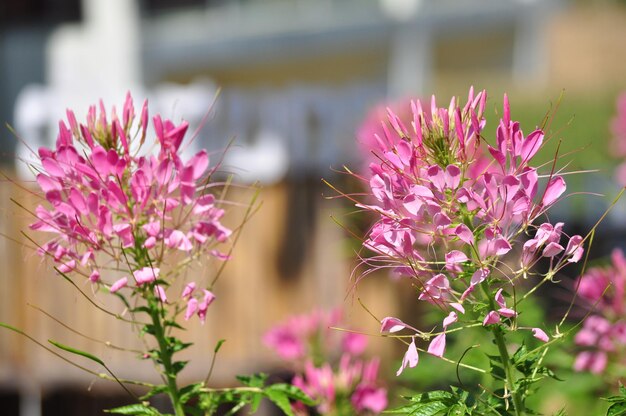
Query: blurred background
{"type": "Point", "coordinates": [290, 81]}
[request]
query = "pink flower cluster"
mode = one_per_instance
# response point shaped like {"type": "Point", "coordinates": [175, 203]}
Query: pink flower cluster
{"type": "Point", "coordinates": [110, 207]}
{"type": "Point", "coordinates": [450, 207]}
{"type": "Point", "coordinates": [308, 342]}
{"type": "Point", "coordinates": [603, 335]}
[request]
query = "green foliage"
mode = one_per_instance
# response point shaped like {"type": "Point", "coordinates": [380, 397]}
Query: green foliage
{"type": "Point", "coordinates": [618, 403]}
{"type": "Point", "coordinates": [199, 400]}
{"type": "Point", "coordinates": [439, 403]}
{"type": "Point", "coordinates": [135, 409]}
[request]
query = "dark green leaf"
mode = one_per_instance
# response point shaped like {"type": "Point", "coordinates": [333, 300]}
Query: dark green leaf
{"type": "Point", "coordinates": [188, 392]}
{"type": "Point", "coordinates": [178, 366]}
{"type": "Point", "coordinates": [135, 409]}
{"type": "Point", "coordinates": [154, 391]}
{"type": "Point", "coordinates": [617, 409]}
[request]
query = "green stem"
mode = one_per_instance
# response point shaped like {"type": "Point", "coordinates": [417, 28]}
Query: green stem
{"type": "Point", "coordinates": [165, 354]}
{"type": "Point", "coordinates": [509, 384]}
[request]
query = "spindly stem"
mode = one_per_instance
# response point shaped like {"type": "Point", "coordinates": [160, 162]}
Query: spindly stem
{"type": "Point", "coordinates": [518, 405]}
{"type": "Point", "coordinates": [509, 383]}
{"type": "Point", "coordinates": [165, 354]}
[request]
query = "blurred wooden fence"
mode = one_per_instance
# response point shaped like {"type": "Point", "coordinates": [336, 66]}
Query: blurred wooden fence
{"type": "Point", "coordinates": [252, 295]}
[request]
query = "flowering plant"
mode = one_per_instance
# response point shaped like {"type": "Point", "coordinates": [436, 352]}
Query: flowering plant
{"type": "Point", "coordinates": [118, 217]}
{"type": "Point", "coordinates": [309, 344]}
{"type": "Point", "coordinates": [602, 337]}
{"type": "Point", "coordinates": [451, 213]}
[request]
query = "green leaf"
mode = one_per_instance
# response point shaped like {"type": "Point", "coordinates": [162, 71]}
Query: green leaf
{"type": "Point", "coordinates": [219, 345]}
{"type": "Point", "coordinates": [292, 392]}
{"type": "Point", "coordinates": [280, 399]}
{"type": "Point", "coordinates": [422, 409]}
{"type": "Point", "coordinates": [255, 380]}
{"type": "Point", "coordinates": [188, 392]}
{"type": "Point", "coordinates": [135, 409]}
{"type": "Point", "coordinates": [617, 409]}
{"type": "Point", "coordinates": [178, 366]}
{"type": "Point", "coordinates": [77, 352]}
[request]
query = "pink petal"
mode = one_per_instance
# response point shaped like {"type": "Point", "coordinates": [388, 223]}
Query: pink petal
{"type": "Point", "coordinates": [450, 319]}
{"type": "Point", "coordinates": [188, 290]}
{"type": "Point", "coordinates": [453, 176]}
{"type": "Point", "coordinates": [531, 145]}
{"type": "Point", "coordinates": [458, 307]}
{"type": "Point", "coordinates": [438, 345]}
{"type": "Point", "coordinates": [500, 299]}
{"type": "Point", "coordinates": [411, 358]}
{"type": "Point", "coordinates": [491, 318]}
{"type": "Point", "coordinates": [146, 275]}
{"type": "Point", "coordinates": [390, 324]}
{"type": "Point", "coordinates": [159, 292]}
{"type": "Point", "coordinates": [507, 312]}
{"type": "Point", "coordinates": [192, 307]}
{"type": "Point", "coordinates": [118, 285]}
{"type": "Point", "coordinates": [464, 234]}
{"type": "Point", "coordinates": [552, 250]}
{"type": "Point", "coordinates": [554, 190]}
{"type": "Point", "coordinates": [574, 249]}
{"type": "Point", "coordinates": [94, 277]}
{"type": "Point", "coordinates": [540, 334]}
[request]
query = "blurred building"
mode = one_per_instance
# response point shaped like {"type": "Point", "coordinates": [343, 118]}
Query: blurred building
{"type": "Point", "coordinates": [296, 78]}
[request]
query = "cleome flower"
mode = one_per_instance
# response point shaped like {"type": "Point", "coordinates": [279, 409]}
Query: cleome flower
{"type": "Point", "coordinates": [602, 338]}
{"type": "Point", "coordinates": [449, 207]}
{"type": "Point", "coordinates": [111, 205]}
{"type": "Point", "coordinates": [309, 344]}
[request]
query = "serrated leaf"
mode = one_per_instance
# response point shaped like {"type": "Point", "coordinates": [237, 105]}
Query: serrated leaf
{"type": "Point", "coordinates": [77, 352]}
{"type": "Point", "coordinates": [292, 392]}
{"type": "Point", "coordinates": [188, 392]}
{"type": "Point", "coordinates": [255, 380]}
{"type": "Point", "coordinates": [154, 391]}
{"type": "Point", "coordinates": [281, 400]}
{"type": "Point", "coordinates": [135, 409]}
{"type": "Point", "coordinates": [178, 366]}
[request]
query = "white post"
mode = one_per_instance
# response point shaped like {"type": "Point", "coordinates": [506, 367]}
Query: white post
{"type": "Point", "coordinates": [410, 61]}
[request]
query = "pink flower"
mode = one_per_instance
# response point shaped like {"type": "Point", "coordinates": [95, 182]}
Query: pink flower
{"type": "Point", "coordinates": [159, 292]}
{"type": "Point", "coordinates": [103, 198]}
{"type": "Point", "coordinates": [594, 362]}
{"type": "Point", "coordinates": [354, 343]}
{"type": "Point", "coordinates": [146, 275]}
{"type": "Point", "coordinates": [540, 334]}
{"type": "Point", "coordinates": [369, 398]}
{"type": "Point", "coordinates": [192, 308]}
{"type": "Point", "coordinates": [203, 306]}
{"type": "Point", "coordinates": [188, 290]}
{"type": "Point", "coordinates": [491, 318]}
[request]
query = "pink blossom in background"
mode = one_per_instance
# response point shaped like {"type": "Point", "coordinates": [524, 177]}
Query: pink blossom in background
{"type": "Point", "coordinates": [312, 348]}
{"type": "Point", "coordinates": [602, 338]}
